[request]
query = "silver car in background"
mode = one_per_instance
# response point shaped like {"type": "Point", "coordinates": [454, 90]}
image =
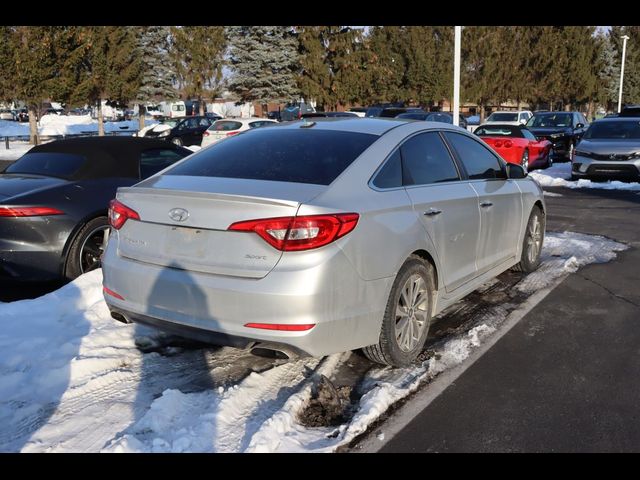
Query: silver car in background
{"type": "Point", "coordinates": [320, 237]}
{"type": "Point", "coordinates": [610, 148]}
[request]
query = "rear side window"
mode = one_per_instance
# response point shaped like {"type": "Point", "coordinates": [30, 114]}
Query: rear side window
{"type": "Point", "coordinates": [259, 123]}
{"type": "Point", "coordinates": [225, 126]}
{"type": "Point", "coordinates": [52, 164]}
{"type": "Point", "coordinates": [425, 160]}
{"type": "Point", "coordinates": [390, 176]}
{"type": "Point", "coordinates": [156, 159]}
{"type": "Point", "coordinates": [479, 162]}
{"type": "Point", "coordinates": [283, 155]}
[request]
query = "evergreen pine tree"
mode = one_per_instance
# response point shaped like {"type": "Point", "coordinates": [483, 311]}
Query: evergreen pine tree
{"type": "Point", "coordinates": [197, 54]}
{"type": "Point", "coordinates": [264, 63]}
{"type": "Point", "coordinates": [157, 77]}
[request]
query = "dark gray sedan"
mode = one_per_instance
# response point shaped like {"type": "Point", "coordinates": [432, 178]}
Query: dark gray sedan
{"type": "Point", "coordinates": [609, 149]}
{"type": "Point", "coordinates": [54, 200]}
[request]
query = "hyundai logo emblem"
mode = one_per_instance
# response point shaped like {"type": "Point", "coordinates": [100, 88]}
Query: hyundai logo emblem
{"type": "Point", "coordinates": [178, 214]}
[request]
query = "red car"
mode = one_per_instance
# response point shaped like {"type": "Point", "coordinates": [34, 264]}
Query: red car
{"type": "Point", "coordinates": [516, 144]}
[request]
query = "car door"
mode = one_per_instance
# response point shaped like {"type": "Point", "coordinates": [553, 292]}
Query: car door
{"type": "Point", "coordinates": [499, 201]}
{"type": "Point", "coordinates": [202, 123]}
{"type": "Point", "coordinates": [446, 205]}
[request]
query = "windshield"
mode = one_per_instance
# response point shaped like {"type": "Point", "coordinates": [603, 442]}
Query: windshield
{"type": "Point", "coordinates": [51, 164]}
{"type": "Point", "coordinates": [171, 123]}
{"type": "Point", "coordinates": [614, 130]}
{"type": "Point", "coordinates": [503, 117]}
{"type": "Point", "coordinates": [550, 120]}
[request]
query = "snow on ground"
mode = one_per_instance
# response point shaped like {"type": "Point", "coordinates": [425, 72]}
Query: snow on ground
{"type": "Point", "coordinates": [67, 125]}
{"type": "Point", "coordinates": [559, 175]}
{"type": "Point", "coordinates": [73, 380]}
{"type": "Point", "coordinates": [15, 150]}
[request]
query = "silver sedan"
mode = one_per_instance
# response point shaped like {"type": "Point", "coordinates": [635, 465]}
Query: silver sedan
{"type": "Point", "coordinates": [323, 236]}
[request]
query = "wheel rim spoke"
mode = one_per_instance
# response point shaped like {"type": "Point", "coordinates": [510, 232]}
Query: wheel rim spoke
{"type": "Point", "coordinates": [411, 313]}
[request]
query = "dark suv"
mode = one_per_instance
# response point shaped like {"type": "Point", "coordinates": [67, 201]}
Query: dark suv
{"type": "Point", "coordinates": [182, 131]}
{"type": "Point", "coordinates": [563, 129]}
{"type": "Point", "coordinates": [630, 111]}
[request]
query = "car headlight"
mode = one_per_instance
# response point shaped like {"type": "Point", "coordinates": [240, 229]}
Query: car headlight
{"type": "Point", "coordinates": [165, 133]}
{"type": "Point", "coordinates": [582, 153]}
{"type": "Point", "coordinates": [557, 135]}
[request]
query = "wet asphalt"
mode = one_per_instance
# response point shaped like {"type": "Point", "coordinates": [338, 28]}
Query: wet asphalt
{"type": "Point", "coordinates": [564, 379]}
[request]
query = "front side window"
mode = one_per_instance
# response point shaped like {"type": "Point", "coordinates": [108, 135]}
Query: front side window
{"type": "Point", "coordinates": [478, 160]}
{"type": "Point", "coordinates": [425, 160]}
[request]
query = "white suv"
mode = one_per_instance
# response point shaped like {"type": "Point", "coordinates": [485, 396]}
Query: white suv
{"type": "Point", "coordinates": [518, 117]}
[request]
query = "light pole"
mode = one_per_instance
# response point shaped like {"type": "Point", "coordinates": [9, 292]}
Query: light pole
{"type": "Point", "coordinates": [624, 51]}
{"type": "Point", "coordinates": [456, 76]}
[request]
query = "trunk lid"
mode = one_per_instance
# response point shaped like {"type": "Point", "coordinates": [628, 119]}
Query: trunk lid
{"type": "Point", "coordinates": [14, 184]}
{"type": "Point", "coordinates": [184, 221]}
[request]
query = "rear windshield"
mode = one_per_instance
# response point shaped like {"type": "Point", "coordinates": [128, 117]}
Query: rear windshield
{"type": "Point", "coordinates": [614, 130]}
{"type": "Point", "coordinates": [550, 120]}
{"type": "Point", "coordinates": [503, 117]}
{"type": "Point", "coordinates": [225, 125]}
{"type": "Point", "coordinates": [51, 164]}
{"type": "Point", "coordinates": [501, 131]}
{"type": "Point", "coordinates": [283, 155]}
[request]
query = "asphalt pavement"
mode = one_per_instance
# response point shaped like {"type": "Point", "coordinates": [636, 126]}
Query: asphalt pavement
{"type": "Point", "coordinates": [564, 379]}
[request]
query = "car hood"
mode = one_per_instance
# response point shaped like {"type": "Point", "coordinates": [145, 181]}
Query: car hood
{"type": "Point", "coordinates": [604, 147]}
{"type": "Point", "coordinates": [13, 184]}
{"type": "Point", "coordinates": [549, 130]}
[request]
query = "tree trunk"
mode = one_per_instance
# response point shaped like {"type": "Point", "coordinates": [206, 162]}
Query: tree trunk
{"type": "Point", "coordinates": [100, 119]}
{"type": "Point", "coordinates": [201, 104]}
{"type": "Point", "coordinates": [33, 126]}
{"type": "Point", "coordinates": [519, 103]}
{"type": "Point", "coordinates": [141, 111]}
{"type": "Point", "coordinates": [551, 105]}
{"type": "Point", "coordinates": [481, 107]}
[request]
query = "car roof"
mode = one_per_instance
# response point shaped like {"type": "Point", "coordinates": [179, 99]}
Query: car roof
{"type": "Point", "coordinates": [107, 156]}
{"type": "Point", "coordinates": [618, 119]}
{"type": "Point", "coordinates": [373, 126]}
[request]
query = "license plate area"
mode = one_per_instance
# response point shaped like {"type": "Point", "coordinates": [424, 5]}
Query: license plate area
{"type": "Point", "coordinates": [186, 242]}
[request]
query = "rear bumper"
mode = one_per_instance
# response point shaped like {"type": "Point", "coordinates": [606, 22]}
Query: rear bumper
{"type": "Point", "coordinates": [31, 248]}
{"type": "Point", "coordinates": [346, 310]}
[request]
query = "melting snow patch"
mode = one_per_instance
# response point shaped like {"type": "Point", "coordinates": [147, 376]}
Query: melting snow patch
{"type": "Point", "coordinates": [559, 175]}
{"type": "Point", "coordinates": [72, 379]}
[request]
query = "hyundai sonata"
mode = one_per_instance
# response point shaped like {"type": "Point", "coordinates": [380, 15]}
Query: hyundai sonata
{"type": "Point", "coordinates": [320, 237]}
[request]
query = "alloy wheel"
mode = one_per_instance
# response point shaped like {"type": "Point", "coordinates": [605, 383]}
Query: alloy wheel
{"type": "Point", "coordinates": [92, 248]}
{"type": "Point", "coordinates": [534, 238]}
{"type": "Point", "coordinates": [411, 313]}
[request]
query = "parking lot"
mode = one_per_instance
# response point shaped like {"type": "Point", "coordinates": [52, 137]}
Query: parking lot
{"type": "Point", "coordinates": [546, 385]}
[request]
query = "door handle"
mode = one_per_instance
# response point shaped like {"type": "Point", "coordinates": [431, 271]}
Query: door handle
{"type": "Point", "coordinates": [486, 204]}
{"type": "Point", "coordinates": [432, 212]}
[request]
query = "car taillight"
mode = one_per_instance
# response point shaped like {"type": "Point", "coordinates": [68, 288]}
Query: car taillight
{"type": "Point", "coordinates": [29, 211]}
{"type": "Point", "coordinates": [300, 233]}
{"type": "Point", "coordinates": [119, 213]}
{"type": "Point", "coordinates": [232, 133]}
{"type": "Point", "coordinates": [205, 134]}
{"type": "Point", "coordinates": [508, 144]}
{"type": "Point", "coordinates": [497, 143]}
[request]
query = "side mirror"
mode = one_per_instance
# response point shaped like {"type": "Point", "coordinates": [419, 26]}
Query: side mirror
{"type": "Point", "coordinates": [523, 121]}
{"type": "Point", "coordinates": [579, 125]}
{"type": "Point", "coordinates": [515, 171]}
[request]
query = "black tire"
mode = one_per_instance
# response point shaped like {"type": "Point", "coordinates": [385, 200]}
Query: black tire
{"type": "Point", "coordinates": [550, 159]}
{"type": "Point", "coordinates": [177, 141]}
{"type": "Point", "coordinates": [74, 264]}
{"type": "Point", "coordinates": [388, 350]}
{"type": "Point", "coordinates": [524, 161]}
{"type": "Point", "coordinates": [529, 260]}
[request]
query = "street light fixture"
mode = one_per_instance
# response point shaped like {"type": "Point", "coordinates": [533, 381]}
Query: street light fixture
{"type": "Point", "coordinates": [624, 51]}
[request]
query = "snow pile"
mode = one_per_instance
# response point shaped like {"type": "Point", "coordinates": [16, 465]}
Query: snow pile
{"type": "Point", "coordinates": [72, 379]}
{"type": "Point", "coordinates": [15, 150]}
{"type": "Point", "coordinates": [68, 125]}
{"type": "Point", "coordinates": [559, 175]}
